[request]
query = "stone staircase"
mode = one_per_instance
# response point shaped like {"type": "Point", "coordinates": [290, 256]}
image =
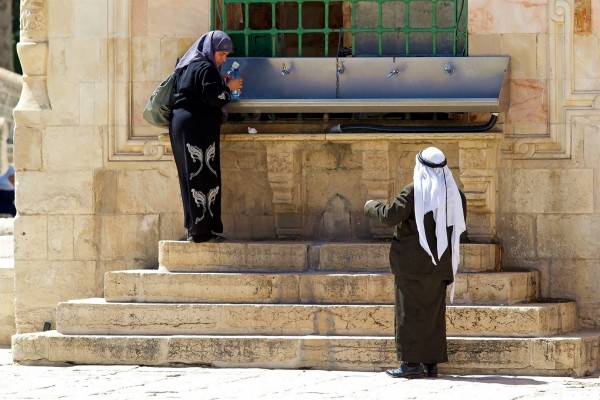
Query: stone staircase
{"type": "Point", "coordinates": [307, 305]}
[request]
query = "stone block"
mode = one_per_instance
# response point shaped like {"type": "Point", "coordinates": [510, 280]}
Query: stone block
{"type": "Point", "coordinates": [60, 237]}
{"type": "Point", "coordinates": [27, 149]}
{"type": "Point", "coordinates": [516, 231]}
{"type": "Point", "coordinates": [41, 285]}
{"type": "Point", "coordinates": [545, 191]}
{"type": "Point", "coordinates": [72, 149]}
{"type": "Point", "coordinates": [568, 236]}
{"type": "Point", "coordinates": [496, 288]}
{"type": "Point", "coordinates": [65, 192]}
{"type": "Point", "coordinates": [346, 288]}
{"type": "Point", "coordinates": [7, 304]}
{"type": "Point", "coordinates": [31, 237]}
{"type": "Point", "coordinates": [186, 256]}
{"type": "Point", "coordinates": [149, 191]}
{"type": "Point", "coordinates": [476, 257]}
{"type": "Point", "coordinates": [94, 106]}
{"type": "Point", "coordinates": [167, 21]}
{"type": "Point", "coordinates": [520, 320]}
{"type": "Point", "coordinates": [129, 237]}
{"type": "Point", "coordinates": [354, 256]}
{"type": "Point", "coordinates": [85, 229]}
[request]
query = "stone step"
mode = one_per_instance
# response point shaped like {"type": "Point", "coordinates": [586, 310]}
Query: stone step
{"type": "Point", "coordinates": [308, 287]}
{"type": "Point", "coordinates": [96, 316]}
{"type": "Point", "coordinates": [7, 301]}
{"type": "Point", "coordinates": [180, 256]}
{"type": "Point", "coordinates": [574, 354]}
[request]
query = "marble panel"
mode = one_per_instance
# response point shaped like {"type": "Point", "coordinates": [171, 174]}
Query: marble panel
{"type": "Point", "coordinates": [586, 62]}
{"type": "Point", "coordinates": [522, 49]}
{"type": "Point", "coordinates": [528, 114]}
{"type": "Point", "coordinates": [507, 16]}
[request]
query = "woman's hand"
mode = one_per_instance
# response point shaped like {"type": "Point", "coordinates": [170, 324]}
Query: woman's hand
{"type": "Point", "coordinates": [235, 84]}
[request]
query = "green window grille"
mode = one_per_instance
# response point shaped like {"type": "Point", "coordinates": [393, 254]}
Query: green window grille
{"type": "Point", "coordinates": [329, 28]}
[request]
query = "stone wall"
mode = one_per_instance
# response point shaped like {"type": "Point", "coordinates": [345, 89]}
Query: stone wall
{"type": "Point", "coordinates": [549, 197]}
{"type": "Point", "coordinates": [97, 188]}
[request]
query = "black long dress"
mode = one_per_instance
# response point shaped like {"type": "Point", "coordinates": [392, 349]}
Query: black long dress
{"type": "Point", "coordinates": [195, 139]}
{"type": "Point", "coordinates": [420, 285]}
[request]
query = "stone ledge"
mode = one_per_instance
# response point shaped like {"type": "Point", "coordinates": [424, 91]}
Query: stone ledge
{"type": "Point", "coordinates": [567, 355]}
{"type": "Point", "coordinates": [98, 317]}
{"type": "Point", "coordinates": [231, 256]}
{"type": "Point", "coordinates": [307, 287]}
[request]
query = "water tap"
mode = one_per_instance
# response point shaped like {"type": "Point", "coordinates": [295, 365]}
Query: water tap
{"type": "Point", "coordinates": [285, 70]}
{"type": "Point", "coordinates": [395, 71]}
{"type": "Point", "coordinates": [448, 69]}
{"type": "Point", "coordinates": [339, 68]}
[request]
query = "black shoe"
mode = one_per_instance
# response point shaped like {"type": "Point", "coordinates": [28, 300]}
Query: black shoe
{"type": "Point", "coordinates": [404, 371]}
{"type": "Point", "coordinates": [207, 237]}
{"type": "Point", "coordinates": [431, 370]}
{"type": "Point", "coordinates": [216, 239]}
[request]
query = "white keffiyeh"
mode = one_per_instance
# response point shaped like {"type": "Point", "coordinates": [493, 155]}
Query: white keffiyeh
{"type": "Point", "coordinates": [436, 191]}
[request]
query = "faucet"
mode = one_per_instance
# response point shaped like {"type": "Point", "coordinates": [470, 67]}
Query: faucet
{"type": "Point", "coordinates": [339, 68]}
{"type": "Point", "coordinates": [448, 69]}
{"type": "Point", "coordinates": [394, 71]}
{"type": "Point", "coordinates": [285, 71]}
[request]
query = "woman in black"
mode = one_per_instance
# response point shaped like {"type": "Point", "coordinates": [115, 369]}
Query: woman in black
{"type": "Point", "coordinates": [200, 95]}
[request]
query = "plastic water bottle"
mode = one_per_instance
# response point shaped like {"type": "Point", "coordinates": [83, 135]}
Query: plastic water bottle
{"type": "Point", "coordinates": [235, 73]}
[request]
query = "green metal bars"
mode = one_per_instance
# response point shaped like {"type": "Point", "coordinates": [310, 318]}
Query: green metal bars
{"type": "Point", "coordinates": [341, 28]}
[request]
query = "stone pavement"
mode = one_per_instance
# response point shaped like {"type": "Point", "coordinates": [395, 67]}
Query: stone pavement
{"type": "Point", "coordinates": [135, 382]}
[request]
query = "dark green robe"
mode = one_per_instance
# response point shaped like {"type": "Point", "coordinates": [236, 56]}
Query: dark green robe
{"type": "Point", "coordinates": [420, 286]}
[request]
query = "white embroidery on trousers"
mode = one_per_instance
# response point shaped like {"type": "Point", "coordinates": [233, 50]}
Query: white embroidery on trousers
{"type": "Point", "coordinates": [223, 96]}
{"type": "Point", "coordinates": [212, 196]}
{"type": "Point", "coordinates": [200, 200]}
{"type": "Point", "coordinates": [210, 156]}
{"type": "Point", "coordinates": [195, 154]}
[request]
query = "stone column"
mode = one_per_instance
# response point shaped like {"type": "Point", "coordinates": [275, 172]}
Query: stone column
{"type": "Point", "coordinates": [377, 180]}
{"type": "Point", "coordinates": [283, 168]}
{"type": "Point", "coordinates": [477, 165]}
{"type": "Point", "coordinates": [6, 38]}
{"type": "Point", "coordinates": [33, 54]}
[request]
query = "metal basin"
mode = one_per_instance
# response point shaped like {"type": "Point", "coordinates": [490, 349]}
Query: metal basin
{"type": "Point", "coordinates": [382, 84]}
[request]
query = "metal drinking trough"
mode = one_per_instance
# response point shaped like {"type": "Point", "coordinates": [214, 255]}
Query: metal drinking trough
{"type": "Point", "coordinates": [372, 84]}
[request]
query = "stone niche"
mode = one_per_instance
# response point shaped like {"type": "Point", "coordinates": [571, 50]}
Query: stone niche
{"type": "Point", "coordinates": [314, 186]}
